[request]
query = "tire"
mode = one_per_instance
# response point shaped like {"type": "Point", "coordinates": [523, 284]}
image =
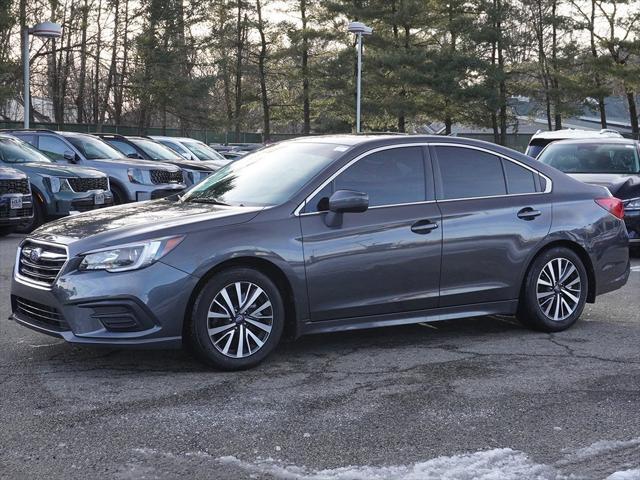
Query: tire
{"type": "Point", "coordinates": [634, 252]}
{"type": "Point", "coordinates": [119, 198]}
{"type": "Point", "coordinates": [8, 230]}
{"type": "Point", "coordinates": [561, 302]}
{"type": "Point", "coordinates": [211, 313]}
{"type": "Point", "coordinates": [37, 220]}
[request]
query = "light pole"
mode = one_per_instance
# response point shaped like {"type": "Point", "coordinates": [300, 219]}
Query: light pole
{"type": "Point", "coordinates": [359, 29]}
{"type": "Point", "coordinates": [44, 30]}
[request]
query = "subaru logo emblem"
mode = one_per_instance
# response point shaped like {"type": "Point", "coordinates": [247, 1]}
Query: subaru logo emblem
{"type": "Point", "coordinates": [35, 254]}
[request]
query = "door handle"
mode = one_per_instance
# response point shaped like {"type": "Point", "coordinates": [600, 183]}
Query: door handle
{"type": "Point", "coordinates": [529, 213]}
{"type": "Point", "coordinates": [422, 227]}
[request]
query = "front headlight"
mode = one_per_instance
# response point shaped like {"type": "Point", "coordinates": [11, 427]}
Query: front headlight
{"type": "Point", "coordinates": [129, 257]}
{"type": "Point", "coordinates": [632, 204]}
{"type": "Point", "coordinates": [58, 184]}
{"type": "Point", "coordinates": [137, 176]}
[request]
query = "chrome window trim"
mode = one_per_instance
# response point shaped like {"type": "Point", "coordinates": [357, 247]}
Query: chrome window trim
{"type": "Point", "coordinates": [549, 182]}
{"type": "Point", "coordinates": [548, 187]}
{"type": "Point", "coordinates": [32, 283]}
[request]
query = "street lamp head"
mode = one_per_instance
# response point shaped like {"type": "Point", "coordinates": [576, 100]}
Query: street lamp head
{"type": "Point", "coordinates": [46, 30]}
{"type": "Point", "coordinates": [359, 28]}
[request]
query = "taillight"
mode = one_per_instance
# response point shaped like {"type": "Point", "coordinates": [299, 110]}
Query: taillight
{"type": "Point", "coordinates": [612, 205]}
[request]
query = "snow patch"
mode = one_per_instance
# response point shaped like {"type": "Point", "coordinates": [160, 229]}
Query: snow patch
{"type": "Point", "coordinates": [497, 464]}
{"type": "Point", "coordinates": [625, 475]}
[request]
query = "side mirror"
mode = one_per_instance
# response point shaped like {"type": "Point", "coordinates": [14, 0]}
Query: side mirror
{"type": "Point", "coordinates": [345, 201]}
{"type": "Point", "coordinates": [70, 156]}
{"type": "Point", "coordinates": [133, 155]}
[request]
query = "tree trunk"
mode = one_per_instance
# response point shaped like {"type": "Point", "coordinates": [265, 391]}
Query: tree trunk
{"type": "Point", "coordinates": [262, 56]}
{"type": "Point", "coordinates": [96, 79]}
{"type": "Point", "coordinates": [502, 87]}
{"type": "Point", "coordinates": [118, 95]}
{"type": "Point", "coordinates": [82, 74]}
{"type": "Point", "coordinates": [594, 53]}
{"type": "Point", "coordinates": [557, 110]}
{"type": "Point", "coordinates": [306, 106]}
{"type": "Point", "coordinates": [633, 112]}
{"type": "Point", "coordinates": [111, 76]}
{"type": "Point", "coordinates": [237, 117]}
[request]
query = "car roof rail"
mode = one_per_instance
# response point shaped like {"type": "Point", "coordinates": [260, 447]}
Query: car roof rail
{"type": "Point", "coordinates": [47, 130]}
{"type": "Point", "coordinates": [106, 134]}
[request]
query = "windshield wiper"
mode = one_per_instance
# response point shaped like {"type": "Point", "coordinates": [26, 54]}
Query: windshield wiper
{"type": "Point", "coordinates": [213, 201]}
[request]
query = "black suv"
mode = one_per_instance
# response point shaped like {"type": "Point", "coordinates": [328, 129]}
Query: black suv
{"type": "Point", "coordinates": [16, 205]}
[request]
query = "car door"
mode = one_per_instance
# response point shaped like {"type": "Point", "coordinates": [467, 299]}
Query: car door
{"type": "Point", "coordinates": [494, 212]}
{"type": "Point", "coordinates": [383, 260]}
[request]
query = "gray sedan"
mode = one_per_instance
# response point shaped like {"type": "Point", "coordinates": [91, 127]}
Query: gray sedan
{"type": "Point", "coordinates": [323, 234]}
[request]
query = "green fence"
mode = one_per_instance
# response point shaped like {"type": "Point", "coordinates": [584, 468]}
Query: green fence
{"type": "Point", "coordinates": [516, 141]}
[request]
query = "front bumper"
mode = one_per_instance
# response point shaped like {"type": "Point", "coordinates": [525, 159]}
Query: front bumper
{"type": "Point", "coordinates": [14, 216]}
{"type": "Point", "coordinates": [632, 221]}
{"type": "Point", "coordinates": [154, 192]}
{"type": "Point", "coordinates": [67, 203]}
{"type": "Point", "coordinates": [141, 308]}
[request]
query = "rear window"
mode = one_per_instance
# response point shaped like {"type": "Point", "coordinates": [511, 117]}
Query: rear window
{"type": "Point", "coordinates": [620, 158]}
{"type": "Point", "coordinates": [468, 173]}
{"type": "Point", "coordinates": [536, 146]}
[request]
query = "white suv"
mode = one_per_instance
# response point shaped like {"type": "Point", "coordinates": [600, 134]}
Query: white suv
{"type": "Point", "coordinates": [541, 139]}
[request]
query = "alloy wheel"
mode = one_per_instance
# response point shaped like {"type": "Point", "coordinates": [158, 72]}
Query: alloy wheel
{"type": "Point", "coordinates": [240, 319]}
{"type": "Point", "coordinates": [559, 289]}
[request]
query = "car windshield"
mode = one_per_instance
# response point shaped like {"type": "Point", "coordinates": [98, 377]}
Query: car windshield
{"type": "Point", "coordinates": [599, 157]}
{"type": "Point", "coordinates": [155, 150]}
{"type": "Point", "coordinates": [93, 148]}
{"type": "Point", "coordinates": [267, 177]}
{"type": "Point", "coordinates": [202, 151]}
{"type": "Point", "coordinates": [16, 151]}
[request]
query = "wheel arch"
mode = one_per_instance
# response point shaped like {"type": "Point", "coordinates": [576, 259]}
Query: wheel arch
{"type": "Point", "coordinates": [266, 267]}
{"type": "Point", "coordinates": [115, 184]}
{"type": "Point", "coordinates": [578, 250]}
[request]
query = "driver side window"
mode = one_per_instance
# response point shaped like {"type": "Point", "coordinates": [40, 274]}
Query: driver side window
{"type": "Point", "coordinates": [53, 148]}
{"type": "Point", "coordinates": [390, 177]}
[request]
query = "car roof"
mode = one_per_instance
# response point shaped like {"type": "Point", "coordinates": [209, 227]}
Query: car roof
{"type": "Point", "coordinates": [568, 133]}
{"type": "Point", "coordinates": [597, 141]}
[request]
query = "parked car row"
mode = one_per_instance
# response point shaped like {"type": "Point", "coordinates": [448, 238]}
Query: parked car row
{"type": "Point", "coordinates": [70, 172]}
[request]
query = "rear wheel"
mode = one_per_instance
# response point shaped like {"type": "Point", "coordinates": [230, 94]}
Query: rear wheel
{"type": "Point", "coordinates": [237, 319]}
{"type": "Point", "coordinates": [555, 291]}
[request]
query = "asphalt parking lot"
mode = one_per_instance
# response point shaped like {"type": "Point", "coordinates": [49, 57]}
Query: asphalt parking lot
{"type": "Point", "coordinates": [477, 398]}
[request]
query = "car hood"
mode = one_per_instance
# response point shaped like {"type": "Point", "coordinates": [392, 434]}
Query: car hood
{"type": "Point", "coordinates": [134, 163]}
{"type": "Point", "coordinates": [140, 221]}
{"type": "Point", "coordinates": [58, 170]}
{"type": "Point", "coordinates": [192, 164]}
{"type": "Point", "coordinates": [7, 173]}
{"type": "Point", "coordinates": [621, 186]}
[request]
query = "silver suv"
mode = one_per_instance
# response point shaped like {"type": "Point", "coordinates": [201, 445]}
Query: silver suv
{"type": "Point", "coordinates": [131, 180]}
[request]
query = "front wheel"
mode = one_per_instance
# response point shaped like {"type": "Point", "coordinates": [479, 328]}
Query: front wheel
{"type": "Point", "coordinates": [4, 230]}
{"type": "Point", "coordinates": [34, 222]}
{"type": "Point", "coordinates": [237, 319]}
{"type": "Point", "coordinates": [555, 291]}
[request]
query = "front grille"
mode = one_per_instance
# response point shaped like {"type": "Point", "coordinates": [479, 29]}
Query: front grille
{"type": "Point", "coordinates": [6, 212]}
{"type": "Point", "coordinates": [14, 186]}
{"type": "Point", "coordinates": [41, 263]}
{"type": "Point", "coordinates": [164, 176]}
{"type": "Point", "coordinates": [39, 314]}
{"type": "Point", "coordinates": [86, 184]}
{"type": "Point", "coordinates": [88, 204]}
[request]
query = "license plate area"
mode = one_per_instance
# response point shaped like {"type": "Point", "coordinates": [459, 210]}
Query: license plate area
{"type": "Point", "coordinates": [15, 203]}
{"type": "Point", "coordinates": [98, 198]}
